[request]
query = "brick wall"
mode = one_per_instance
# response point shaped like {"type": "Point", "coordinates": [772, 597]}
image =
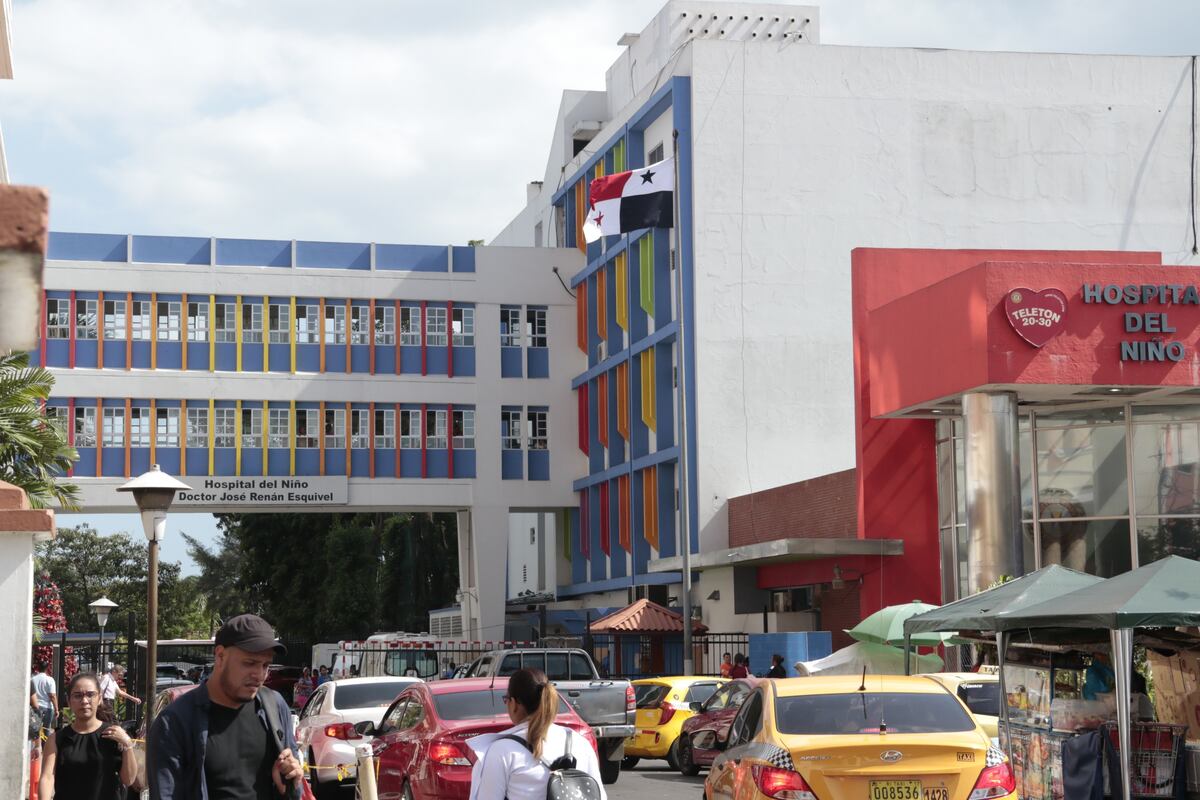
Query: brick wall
{"type": "Point", "coordinates": [820, 508]}
{"type": "Point", "coordinates": [840, 612]}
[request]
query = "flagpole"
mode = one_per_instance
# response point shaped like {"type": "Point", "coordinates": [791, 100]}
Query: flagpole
{"type": "Point", "coordinates": [685, 526]}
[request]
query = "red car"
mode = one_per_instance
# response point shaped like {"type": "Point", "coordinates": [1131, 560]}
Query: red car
{"type": "Point", "coordinates": [420, 743]}
{"type": "Point", "coordinates": [712, 720]}
{"type": "Point", "coordinates": [283, 680]}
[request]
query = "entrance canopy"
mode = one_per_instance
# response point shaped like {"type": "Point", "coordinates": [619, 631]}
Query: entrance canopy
{"type": "Point", "coordinates": [981, 612]}
{"type": "Point", "coordinates": [644, 616]}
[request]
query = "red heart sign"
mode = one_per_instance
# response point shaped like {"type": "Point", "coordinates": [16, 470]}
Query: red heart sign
{"type": "Point", "coordinates": [1037, 317]}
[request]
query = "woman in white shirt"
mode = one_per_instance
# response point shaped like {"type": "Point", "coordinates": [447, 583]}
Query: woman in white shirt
{"type": "Point", "coordinates": [507, 770]}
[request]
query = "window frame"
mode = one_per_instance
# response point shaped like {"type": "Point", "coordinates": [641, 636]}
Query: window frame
{"type": "Point", "coordinates": [410, 418]}
{"type": "Point", "coordinates": [335, 323]}
{"type": "Point", "coordinates": [333, 429]}
{"type": "Point", "coordinates": [279, 428]}
{"type": "Point", "coordinates": [410, 326]}
{"type": "Point", "coordinates": [436, 429]}
{"type": "Point", "coordinates": [437, 332]}
{"type": "Point", "coordinates": [463, 420]}
{"type": "Point", "coordinates": [198, 322]}
{"type": "Point", "coordinates": [58, 318]}
{"type": "Point", "coordinates": [383, 326]}
{"type": "Point", "coordinates": [536, 327]}
{"type": "Point", "coordinates": [385, 433]}
{"type": "Point", "coordinates": [360, 324]}
{"type": "Point", "coordinates": [533, 440]}
{"type": "Point", "coordinates": [462, 325]}
{"type": "Point", "coordinates": [252, 428]}
{"type": "Point", "coordinates": [309, 428]}
{"type": "Point", "coordinates": [511, 330]}
{"type": "Point", "coordinates": [196, 427]}
{"type": "Point", "coordinates": [116, 331]}
{"type": "Point", "coordinates": [512, 432]}
{"type": "Point", "coordinates": [86, 434]}
{"type": "Point", "coordinates": [169, 326]}
{"type": "Point", "coordinates": [279, 323]}
{"type": "Point", "coordinates": [360, 434]}
{"type": "Point", "coordinates": [112, 428]}
{"type": "Point", "coordinates": [307, 312]}
{"type": "Point", "coordinates": [139, 321]}
{"type": "Point", "coordinates": [85, 330]}
{"type": "Point", "coordinates": [225, 428]}
{"type": "Point", "coordinates": [252, 323]}
{"type": "Point", "coordinates": [224, 323]}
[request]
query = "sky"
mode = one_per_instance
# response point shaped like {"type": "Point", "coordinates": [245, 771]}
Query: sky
{"type": "Point", "coordinates": [388, 121]}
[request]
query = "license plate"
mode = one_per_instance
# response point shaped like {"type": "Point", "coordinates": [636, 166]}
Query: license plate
{"type": "Point", "coordinates": [896, 790]}
{"type": "Point", "coordinates": [936, 793]}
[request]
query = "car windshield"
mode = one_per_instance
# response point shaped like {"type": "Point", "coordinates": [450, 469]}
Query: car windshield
{"type": "Point", "coordinates": [867, 712]}
{"type": "Point", "coordinates": [981, 698]}
{"type": "Point", "coordinates": [482, 704]}
{"type": "Point", "coordinates": [366, 695]}
{"type": "Point", "coordinates": [649, 695]}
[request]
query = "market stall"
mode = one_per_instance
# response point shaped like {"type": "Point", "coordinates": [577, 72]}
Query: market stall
{"type": "Point", "coordinates": [1051, 628]}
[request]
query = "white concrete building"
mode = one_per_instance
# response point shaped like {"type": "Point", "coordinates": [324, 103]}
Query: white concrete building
{"type": "Point", "coordinates": [792, 153]}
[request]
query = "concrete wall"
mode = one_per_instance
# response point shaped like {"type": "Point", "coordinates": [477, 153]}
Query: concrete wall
{"type": "Point", "coordinates": [831, 148]}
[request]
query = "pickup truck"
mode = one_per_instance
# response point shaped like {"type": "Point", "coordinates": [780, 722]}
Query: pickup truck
{"type": "Point", "coordinates": [608, 706]}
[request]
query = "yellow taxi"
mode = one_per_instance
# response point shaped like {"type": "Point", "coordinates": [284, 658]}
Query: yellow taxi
{"type": "Point", "coordinates": [882, 737]}
{"type": "Point", "coordinates": [663, 704]}
{"type": "Point", "coordinates": [980, 693]}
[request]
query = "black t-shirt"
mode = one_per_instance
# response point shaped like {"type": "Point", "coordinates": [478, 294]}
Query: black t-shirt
{"type": "Point", "coordinates": [239, 755]}
{"type": "Point", "coordinates": [777, 671]}
{"type": "Point", "coordinates": [87, 766]}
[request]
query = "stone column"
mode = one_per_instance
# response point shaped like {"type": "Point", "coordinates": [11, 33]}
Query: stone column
{"type": "Point", "coordinates": [993, 488]}
{"type": "Point", "coordinates": [20, 528]}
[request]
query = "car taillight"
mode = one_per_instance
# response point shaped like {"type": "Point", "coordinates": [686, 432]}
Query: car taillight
{"type": "Point", "coordinates": [997, 781]}
{"type": "Point", "coordinates": [342, 730]}
{"type": "Point", "coordinates": [666, 711]}
{"type": "Point", "coordinates": [630, 699]}
{"type": "Point", "coordinates": [782, 784]}
{"type": "Point", "coordinates": [449, 754]}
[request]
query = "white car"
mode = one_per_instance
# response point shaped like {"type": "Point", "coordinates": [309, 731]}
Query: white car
{"type": "Point", "coordinates": [325, 733]}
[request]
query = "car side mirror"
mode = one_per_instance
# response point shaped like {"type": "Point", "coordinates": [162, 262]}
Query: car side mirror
{"type": "Point", "coordinates": [696, 706]}
{"type": "Point", "coordinates": [704, 740]}
{"type": "Point", "coordinates": [366, 728]}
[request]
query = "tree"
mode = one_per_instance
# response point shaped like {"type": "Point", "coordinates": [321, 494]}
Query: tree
{"type": "Point", "coordinates": [33, 453]}
{"type": "Point", "coordinates": [86, 565]}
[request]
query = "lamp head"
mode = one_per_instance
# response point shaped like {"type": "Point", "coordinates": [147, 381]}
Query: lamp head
{"type": "Point", "coordinates": [153, 490]}
{"type": "Point", "coordinates": [102, 608]}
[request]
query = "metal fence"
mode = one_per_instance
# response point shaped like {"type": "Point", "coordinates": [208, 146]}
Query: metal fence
{"type": "Point", "coordinates": [635, 656]}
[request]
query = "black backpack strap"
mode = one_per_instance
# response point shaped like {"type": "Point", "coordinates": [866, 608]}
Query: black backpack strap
{"type": "Point", "coordinates": [514, 738]}
{"type": "Point", "coordinates": [268, 701]}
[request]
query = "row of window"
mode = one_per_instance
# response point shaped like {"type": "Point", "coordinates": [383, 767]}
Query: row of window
{"type": "Point", "coordinates": [172, 324]}
{"type": "Point", "coordinates": [165, 430]}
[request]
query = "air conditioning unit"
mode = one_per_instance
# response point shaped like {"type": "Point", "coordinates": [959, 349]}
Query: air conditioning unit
{"type": "Point", "coordinates": [602, 351]}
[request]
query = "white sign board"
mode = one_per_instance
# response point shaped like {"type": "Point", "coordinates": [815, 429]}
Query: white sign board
{"type": "Point", "coordinates": [262, 491]}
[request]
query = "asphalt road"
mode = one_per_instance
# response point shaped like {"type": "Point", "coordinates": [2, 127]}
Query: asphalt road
{"type": "Point", "coordinates": [654, 779]}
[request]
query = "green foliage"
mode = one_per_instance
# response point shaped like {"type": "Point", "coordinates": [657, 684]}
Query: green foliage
{"type": "Point", "coordinates": [326, 576]}
{"type": "Point", "coordinates": [33, 454]}
{"type": "Point", "coordinates": [86, 565]}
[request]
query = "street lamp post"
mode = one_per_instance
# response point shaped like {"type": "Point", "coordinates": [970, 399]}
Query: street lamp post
{"type": "Point", "coordinates": [153, 492]}
{"type": "Point", "coordinates": [102, 608]}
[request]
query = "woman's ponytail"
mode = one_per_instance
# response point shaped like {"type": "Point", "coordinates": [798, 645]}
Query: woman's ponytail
{"type": "Point", "coordinates": [537, 695]}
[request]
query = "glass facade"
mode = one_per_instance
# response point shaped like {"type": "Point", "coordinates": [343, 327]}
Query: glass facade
{"type": "Point", "coordinates": [1116, 487]}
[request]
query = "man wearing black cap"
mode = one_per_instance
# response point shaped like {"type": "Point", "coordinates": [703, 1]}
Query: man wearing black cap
{"type": "Point", "coordinates": [231, 737]}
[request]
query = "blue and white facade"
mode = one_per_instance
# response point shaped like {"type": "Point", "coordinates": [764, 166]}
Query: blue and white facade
{"type": "Point", "coordinates": [294, 375]}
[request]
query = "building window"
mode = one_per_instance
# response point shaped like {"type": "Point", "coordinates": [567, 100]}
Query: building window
{"type": "Point", "coordinates": [113, 430]}
{"type": "Point", "coordinates": [168, 321]}
{"type": "Point", "coordinates": [435, 326]}
{"type": "Point", "coordinates": [140, 314]}
{"type": "Point", "coordinates": [510, 429]}
{"type": "Point", "coordinates": [56, 417]}
{"type": "Point", "coordinates": [385, 324]}
{"type": "Point", "coordinates": [114, 319]}
{"type": "Point", "coordinates": [197, 427]}
{"type": "Point", "coordinates": [360, 428]}
{"type": "Point", "coordinates": [224, 427]}
{"type": "Point", "coordinates": [335, 324]}
{"type": "Point", "coordinates": [279, 318]}
{"type": "Point", "coordinates": [197, 322]}
{"type": "Point", "coordinates": [410, 429]}
{"type": "Point", "coordinates": [385, 428]}
{"type": "Point", "coordinates": [464, 429]}
{"type": "Point", "coordinates": [359, 333]}
{"type": "Point", "coordinates": [464, 327]}
{"type": "Point", "coordinates": [655, 155]}
{"type": "Point", "coordinates": [139, 427]}
{"type": "Point", "coordinates": [536, 320]}
{"type": "Point", "coordinates": [308, 329]}
{"type": "Point", "coordinates": [278, 427]}
{"type": "Point", "coordinates": [538, 430]}
{"type": "Point", "coordinates": [252, 323]}
{"type": "Point", "coordinates": [335, 428]}
{"type": "Point", "coordinates": [85, 427]}
{"type": "Point", "coordinates": [85, 319]}
{"type": "Point", "coordinates": [410, 325]}
{"type": "Point", "coordinates": [58, 318]}
{"type": "Point", "coordinates": [252, 428]}
{"type": "Point", "coordinates": [435, 429]}
{"type": "Point", "coordinates": [510, 327]}
{"type": "Point", "coordinates": [308, 428]}
{"type": "Point", "coordinates": [225, 329]}
{"type": "Point", "coordinates": [166, 427]}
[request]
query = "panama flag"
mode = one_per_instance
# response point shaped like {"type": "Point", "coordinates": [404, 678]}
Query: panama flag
{"type": "Point", "coordinates": [629, 201]}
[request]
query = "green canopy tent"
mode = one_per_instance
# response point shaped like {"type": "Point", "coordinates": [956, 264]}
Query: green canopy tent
{"type": "Point", "coordinates": [1163, 594]}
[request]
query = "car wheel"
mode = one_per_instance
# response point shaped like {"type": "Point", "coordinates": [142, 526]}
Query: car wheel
{"type": "Point", "coordinates": [629, 762]}
{"type": "Point", "coordinates": [673, 753]}
{"type": "Point", "coordinates": [609, 771]}
{"type": "Point", "coordinates": [683, 757]}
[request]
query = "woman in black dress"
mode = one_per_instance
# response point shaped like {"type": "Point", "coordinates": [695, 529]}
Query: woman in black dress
{"type": "Point", "coordinates": [90, 759]}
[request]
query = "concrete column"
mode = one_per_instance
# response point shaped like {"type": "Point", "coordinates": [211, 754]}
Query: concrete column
{"type": "Point", "coordinates": [489, 567]}
{"type": "Point", "coordinates": [20, 528]}
{"type": "Point", "coordinates": [993, 488]}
